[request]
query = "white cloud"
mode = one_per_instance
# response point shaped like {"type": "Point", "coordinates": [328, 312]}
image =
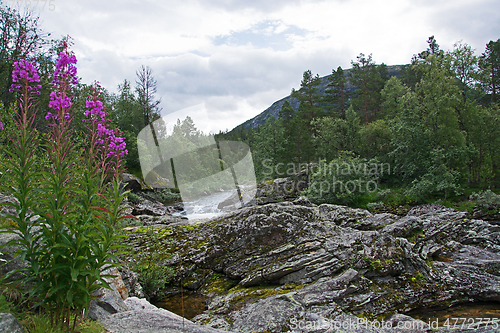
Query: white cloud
{"type": "Point", "coordinates": [239, 56]}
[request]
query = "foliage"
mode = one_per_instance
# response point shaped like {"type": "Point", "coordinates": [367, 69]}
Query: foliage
{"type": "Point", "coordinates": [437, 123]}
{"type": "Point", "coordinates": [344, 180]}
{"type": "Point", "coordinates": [374, 205]}
{"type": "Point", "coordinates": [486, 198]}
{"type": "Point", "coordinates": [166, 196]}
{"type": "Point", "coordinates": [270, 148]}
{"type": "Point", "coordinates": [153, 275]}
{"type": "Point", "coordinates": [69, 244]}
{"type": "Point", "coordinates": [337, 96]}
{"type": "Point", "coordinates": [335, 135]}
{"type": "Point", "coordinates": [490, 65]}
{"type": "Point", "coordinates": [134, 198]}
{"type": "Point", "coordinates": [5, 306]}
{"type": "Point", "coordinates": [42, 324]}
{"type": "Point", "coordinates": [439, 178]}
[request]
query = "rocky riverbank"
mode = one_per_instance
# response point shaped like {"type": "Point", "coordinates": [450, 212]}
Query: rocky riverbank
{"type": "Point", "coordinates": [294, 266]}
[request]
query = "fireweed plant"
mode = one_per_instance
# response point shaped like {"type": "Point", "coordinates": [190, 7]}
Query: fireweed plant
{"type": "Point", "coordinates": [71, 243]}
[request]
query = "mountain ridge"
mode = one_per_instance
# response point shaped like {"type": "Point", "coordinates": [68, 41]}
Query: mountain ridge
{"type": "Point", "coordinates": [275, 108]}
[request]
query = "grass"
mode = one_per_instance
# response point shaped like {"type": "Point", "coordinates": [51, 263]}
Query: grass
{"type": "Point", "coordinates": [40, 323]}
{"type": "Point", "coordinates": [13, 301]}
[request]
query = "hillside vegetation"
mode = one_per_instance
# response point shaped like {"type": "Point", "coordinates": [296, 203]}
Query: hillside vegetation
{"type": "Point", "coordinates": [432, 127]}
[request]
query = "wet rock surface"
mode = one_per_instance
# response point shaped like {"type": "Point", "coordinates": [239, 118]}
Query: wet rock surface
{"type": "Point", "coordinates": [274, 267]}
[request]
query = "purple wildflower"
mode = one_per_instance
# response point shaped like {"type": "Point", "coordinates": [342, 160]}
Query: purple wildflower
{"type": "Point", "coordinates": [25, 71]}
{"type": "Point", "coordinates": [64, 77]}
{"type": "Point", "coordinates": [65, 69]}
{"type": "Point", "coordinates": [1, 125]}
{"type": "Point", "coordinates": [96, 111]}
{"type": "Point", "coordinates": [116, 146]}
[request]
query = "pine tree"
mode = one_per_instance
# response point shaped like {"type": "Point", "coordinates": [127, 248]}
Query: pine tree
{"type": "Point", "coordinates": [490, 64]}
{"type": "Point", "coordinates": [308, 97]}
{"type": "Point", "coordinates": [336, 95]}
{"type": "Point", "coordinates": [309, 110]}
{"type": "Point", "coordinates": [126, 109]}
{"type": "Point", "coordinates": [361, 76]}
{"type": "Point", "coordinates": [146, 87]}
{"type": "Point", "coordinates": [287, 115]}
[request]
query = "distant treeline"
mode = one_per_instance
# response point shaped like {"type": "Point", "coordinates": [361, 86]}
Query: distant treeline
{"type": "Point", "coordinates": [437, 124]}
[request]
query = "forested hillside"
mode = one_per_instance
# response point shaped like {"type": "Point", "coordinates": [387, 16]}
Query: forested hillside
{"type": "Point", "coordinates": [435, 127]}
{"type": "Point", "coordinates": [433, 124]}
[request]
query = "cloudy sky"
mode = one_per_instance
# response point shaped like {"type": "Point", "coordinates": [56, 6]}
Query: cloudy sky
{"type": "Point", "coordinates": [239, 56]}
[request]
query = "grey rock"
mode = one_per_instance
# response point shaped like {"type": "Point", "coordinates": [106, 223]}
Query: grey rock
{"type": "Point", "coordinates": [131, 281]}
{"type": "Point", "coordinates": [333, 263]}
{"type": "Point", "coordinates": [5, 207]}
{"type": "Point", "coordinates": [132, 182]}
{"type": "Point", "coordinates": [9, 262]}
{"type": "Point", "coordinates": [9, 324]}
{"type": "Point", "coordinates": [402, 323]}
{"type": "Point", "coordinates": [146, 318]}
{"type": "Point", "coordinates": [342, 215]}
{"type": "Point", "coordinates": [376, 221]}
{"type": "Point", "coordinates": [108, 302]}
{"type": "Point", "coordinates": [147, 207]}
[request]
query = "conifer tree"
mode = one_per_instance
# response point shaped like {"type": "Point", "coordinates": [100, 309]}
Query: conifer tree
{"type": "Point", "coordinates": [361, 76]}
{"type": "Point", "coordinates": [490, 64]}
{"type": "Point", "coordinates": [336, 94]}
{"type": "Point", "coordinates": [308, 97]}
{"type": "Point", "coordinates": [146, 88]}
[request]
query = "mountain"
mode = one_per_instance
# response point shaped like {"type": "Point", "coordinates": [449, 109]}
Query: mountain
{"type": "Point", "coordinates": [275, 108]}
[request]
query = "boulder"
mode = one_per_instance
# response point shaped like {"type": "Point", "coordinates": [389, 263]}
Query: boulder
{"type": "Point", "coordinates": [109, 301]}
{"type": "Point", "coordinates": [155, 180]}
{"type": "Point", "coordinates": [132, 182]}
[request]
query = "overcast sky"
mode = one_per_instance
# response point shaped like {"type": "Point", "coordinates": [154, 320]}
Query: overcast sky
{"type": "Point", "coordinates": [239, 56]}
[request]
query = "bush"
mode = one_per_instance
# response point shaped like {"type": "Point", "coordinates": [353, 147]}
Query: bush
{"type": "Point", "coordinates": [166, 196]}
{"type": "Point", "coordinates": [134, 198]}
{"type": "Point", "coordinates": [42, 324]}
{"type": "Point", "coordinates": [384, 194]}
{"type": "Point", "coordinates": [153, 275]}
{"type": "Point", "coordinates": [345, 180]}
{"type": "Point", "coordinates": [374, 205]}
{"type": "Point", "coordinates": [486, 199]}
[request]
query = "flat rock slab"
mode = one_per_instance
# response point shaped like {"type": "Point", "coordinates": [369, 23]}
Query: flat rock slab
{"type": "Point", "coordinates": [152, 321]}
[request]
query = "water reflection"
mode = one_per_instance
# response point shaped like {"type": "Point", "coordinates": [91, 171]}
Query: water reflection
{"type": "Point", "coordinates": [464, 313]}
{"type": "Point", "coordinates": [188, 306]}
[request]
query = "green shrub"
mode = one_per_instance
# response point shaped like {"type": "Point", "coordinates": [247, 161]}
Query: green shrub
{"type": "Point", "coordinates": [153, 275]}
{"type": "Point", "coordinates": [5, 306]}
{"type": "Point", "coordinates": [42, 324]}
{"type": "Point", "coordinates": [345, 180]}
{"type": "Point", "coordinates": [486, 198]}
{"type": "Point", "coordinates": [166, 196]}
{"type": "Point", "coordinates": [375, 205]}
{"type": "Point", "coordinates": [134, 198]}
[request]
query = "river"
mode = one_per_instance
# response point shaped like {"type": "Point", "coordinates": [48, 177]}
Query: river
{"type": "Point", "coordinates": [206, 206]}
